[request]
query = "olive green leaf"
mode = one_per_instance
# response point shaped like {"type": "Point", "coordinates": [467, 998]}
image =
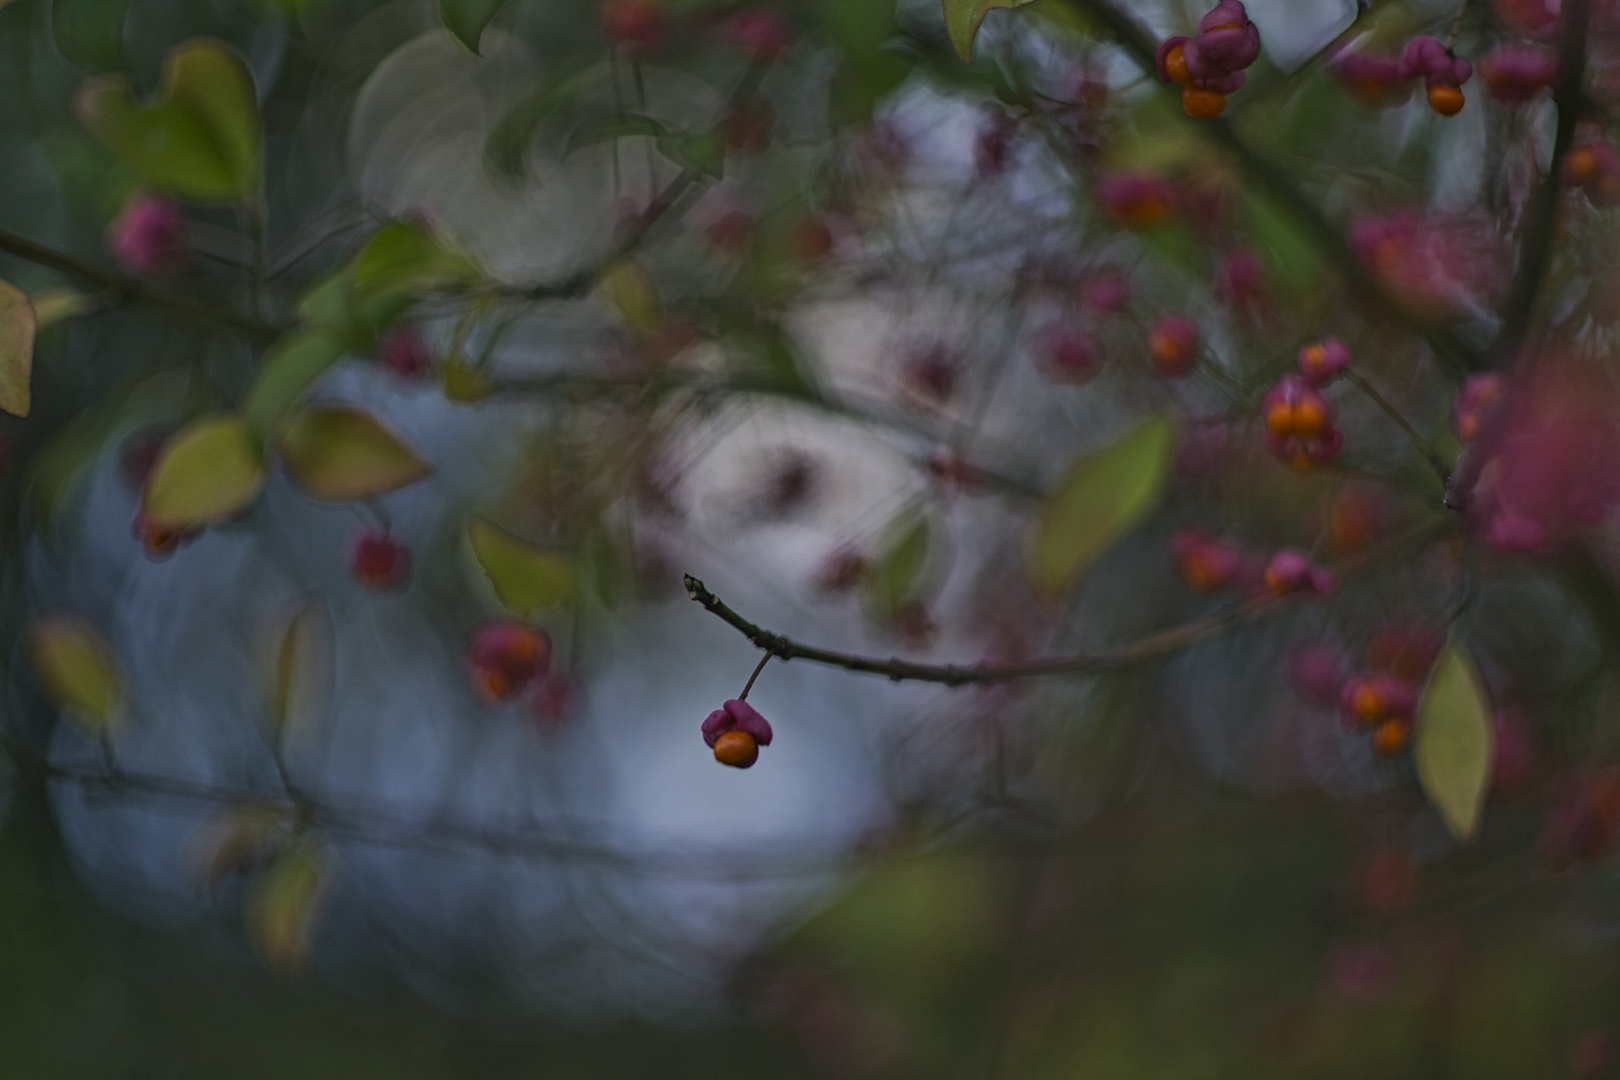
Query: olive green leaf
{"type": "Point", "coordinates": [210, 469]}
{"type": "Point", "coordinates": [1096, 501]}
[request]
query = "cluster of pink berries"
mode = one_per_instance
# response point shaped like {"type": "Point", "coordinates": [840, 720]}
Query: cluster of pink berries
{"type": "Point", "coordinates": [1381, 79]}
{"type": "Point", "coordinates": [1298, 418]}
{"type": "Point", "coordinates": [1213, 63]}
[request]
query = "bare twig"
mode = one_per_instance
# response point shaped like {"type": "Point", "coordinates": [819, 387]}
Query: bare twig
{"type": "Point", "coordinates": [1153, 646]}
{"type": "Point", "coordinates": [1356, 379]}
{"type": "Point", "coordinates": [1542, 217]}
{"type": "Point", "coordinates": [119, 288]}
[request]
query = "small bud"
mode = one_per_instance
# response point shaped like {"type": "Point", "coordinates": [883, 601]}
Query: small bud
{"type": "Point", "coordinates": [149, 236]}
{"type": "Point", "coordinates": [1135, 200]}
{"type": "Point", "coordinates": [378, 561]}
{"type": "Point", "coordinates": [1068, 355]}
{"type": "Point", "coordinates": [762, 31]}
{"type": "Point", "coordinates": [1105, 290]}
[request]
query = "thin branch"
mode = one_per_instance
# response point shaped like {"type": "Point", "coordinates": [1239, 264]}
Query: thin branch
{"type": "Point", "coordinates": [1356, 379]}
{"type": "Point", "coordinates": [119, 288]}
{"type": "Point", "coordinates": [1153, 646]}
{"type": "Point", "coordinates": [1542, 218]}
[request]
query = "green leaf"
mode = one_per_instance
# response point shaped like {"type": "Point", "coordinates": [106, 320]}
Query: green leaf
{"type": "Point", "coordinates": [210, 469]}
{"type": "Point", "coordinates": [464, 381]}
{"type": "Point", "coordinates": [91, 32]}
{"type": "Point", "coordinates": [507, 147]}
{"type": "Point", "coordinates": [291, 366]}
{"type": "Point", "coordinates": [408, 256]}
{"type": "Point", "coordinates": [338, 453]}
{"type": "Point", "coordinates": [17, 323]}
{"type": "Point", "coordinates": [200, 139]}
{"type": "Point", "coordinates": [1097, 500]}
{"type": "Point", "coordinates": [466, 19]}
{"type": "Point", "coordinates": [963, 18]}
{"type": "Point", "coordinates": [1453, 743]}
{"type": "Point", "coordinates": [526, 577]}
{"type": "Point", "coordinates": [897, 573]}
{"type": "Point", "coordinates": [280, 910]}
{"type": "Point", "coordinates": [77, 669]}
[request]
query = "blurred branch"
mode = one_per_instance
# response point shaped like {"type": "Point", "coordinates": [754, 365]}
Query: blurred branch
{"type": "Point", "coordinates": [1542, 218]}
{"type": "Point", "coordinates": [1356, 379]}
{"type": "Point", "coordinates": [582, 281]}
{"type": "Point", "coordinates": [1275, 181]}
{"type": "Point", "coordinates": [579, 387]}
{"type": "Point", "coordinates": [1153, 646]}
{"type": "Point", "coordinates": [119, 288]}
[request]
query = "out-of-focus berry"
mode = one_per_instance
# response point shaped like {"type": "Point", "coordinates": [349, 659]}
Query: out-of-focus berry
{"type": "Point", "coordinates": [1207, 563]}
{"type": "Point", "coordinates": [1067, 354]}
{"type": "Point", "coordinates": [403, 351]}
{"type": "Point", "coordinates": [1291, 571]}
{"type": "Point", "coordinates": [378, 561]}
{"type": "Point", "coordinates": [1136, 200]}
{"type": "Point", "coordinates": [160, 541]}
{"type": "Point", "coordinates": [1320, 363]}
{"type": "Point", "coordinates": [1516, 73]}
{"type": "Point", "coordinates": [1299, 423]}
{"type": "Point", "coordinates": [149, 236]}
{"type": "Point", "coordinates": [1376, 80]}
{"type": "Point", "coordinates": [1315, 672]}
{"type": "Point", "coordinates": [635, 24]}
{"type": "Point", "coordinates": [762, 31]}
{"type": "Point", "coordinates": [506, 656]}
{"type": "Point", "coordinates": [1173, 346]}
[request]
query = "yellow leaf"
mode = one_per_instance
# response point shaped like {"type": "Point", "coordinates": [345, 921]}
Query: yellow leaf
{"type": "Point", "coordinates": [299, 663]}
{"type": "Point", "coordinates": [1453, 743]}
{"type": "Point", "coordinates": [17, 323]}
{"type": "Point", "coordinates": [209, 470]}
{"type": "Point", "coordinates": [963, 18]}
{"type": "Point", "coordinates": [526, 577]}
{"type": "Point", "coordinates": [280, 911]}
{"type": "Point", "coordinates": [1096, 501]}
{"type": "Point", "coordinates": [77, 668]}
{"type": "Point", "coordinates": [635, 296]}
{"type": "Point", "coordinates": [338, 453]}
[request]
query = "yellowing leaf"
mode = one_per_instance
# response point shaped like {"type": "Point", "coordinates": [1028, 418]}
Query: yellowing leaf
{"type": "Point", "coordinates": [240, 838]}
{"type": "Point", "coordinates": [298, 664]}
{"type": "Point", "coordinates": [635, 296]}
{"type": "Point", "coordinates": [17, 322]}
{"type": "Point", "coordinates": [465, 383]}
{"type": "Point", "coordinates": [280, 911]}
{"type": "Point", "coordinates": [1098, 499]}
{"type": "Point", "coordinates": [963, 18]}
{"type": "Point", "coordinates": [407, 255]}
{"type": "Point", "coordinates": [201, 139]}
{"type": "Point", "coordinates": [526, 577]}
{"type": "Point", "coordinates": [209, 470]}
{"type": "Point", "coordinates": [77, 669]}
{"type": "Point", "coordinates": [1453, 742]}
{"type": "Point", "coordinates": [339, 453]}
{"type": "Point", "coordinates": [53, 305]}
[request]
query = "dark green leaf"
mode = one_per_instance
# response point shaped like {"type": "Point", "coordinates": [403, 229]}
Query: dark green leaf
{"type": "Point", "coordinates": [508, 144]}
{"type": "Point", "coordinates": [466, 19]}
{"type": "Point", "coordinates": [91, 32]}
